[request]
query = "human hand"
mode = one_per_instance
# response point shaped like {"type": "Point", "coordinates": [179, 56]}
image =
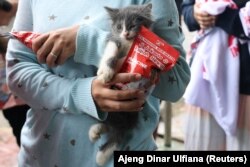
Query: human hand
{"type": "Point", "coordinates": [55, 47]}
{"type": "Point", "coordinates": [204, 19]}
{"type": "Point", "coordinates": [111, 100]}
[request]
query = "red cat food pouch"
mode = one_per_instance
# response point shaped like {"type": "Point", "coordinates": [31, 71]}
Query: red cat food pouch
{"type": "Point", "coordinates": [148, 54]}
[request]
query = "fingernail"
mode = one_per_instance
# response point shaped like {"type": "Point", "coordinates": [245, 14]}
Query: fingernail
{"type": "Point", "coordinates": [141, 94]}
{"type": "Point", "coordinates": [137, 76]}
{"type": "Point", "coordinates": [142, 102]}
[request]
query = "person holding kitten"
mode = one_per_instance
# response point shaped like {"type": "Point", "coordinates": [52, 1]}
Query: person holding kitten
{"type": "Point", "coordinates": [57, 78]}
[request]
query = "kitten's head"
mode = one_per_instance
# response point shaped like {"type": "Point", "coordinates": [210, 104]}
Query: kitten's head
{"type": "Point", "coordinates": [126, 22]}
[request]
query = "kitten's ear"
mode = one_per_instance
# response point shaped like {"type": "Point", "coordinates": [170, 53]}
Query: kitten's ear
{"type": "Point", "coordinates": [148, 7]}
{"type": "Point", "coordinates": [146, 12]}
{"type": "Point", "coordinates": [111, 11]}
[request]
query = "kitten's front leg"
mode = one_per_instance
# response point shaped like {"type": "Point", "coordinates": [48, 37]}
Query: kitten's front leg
{"type": "Point", "coordinates": [108, 62]}
{"type": "Point", "coordinates": [154, 76]}
{"type": "Point", "coordinates": [96, 130]}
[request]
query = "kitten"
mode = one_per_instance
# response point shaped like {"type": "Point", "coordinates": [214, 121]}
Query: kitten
{"type": "Point", "coordinates": [126, 23]}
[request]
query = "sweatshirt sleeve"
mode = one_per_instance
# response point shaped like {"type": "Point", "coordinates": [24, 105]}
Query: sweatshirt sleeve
{"type": "Point", "coordinates": [188, 15]}
{"type": "Point", "coordinates": [95, 48]}
{"type": "Point", "coordinates": [173, 83]}
{"type": "Point", "coordinates": [39, 85]}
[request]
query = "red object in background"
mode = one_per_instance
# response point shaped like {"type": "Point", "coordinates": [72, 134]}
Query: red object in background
{"type": "Point", "coordinates": [149, 51]}
{"type": "Point", "coordinates": [26, 37]}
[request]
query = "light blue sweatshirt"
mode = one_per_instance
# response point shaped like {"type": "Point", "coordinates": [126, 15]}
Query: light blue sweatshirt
{"type": "Point", "coordinates": [56, 131]}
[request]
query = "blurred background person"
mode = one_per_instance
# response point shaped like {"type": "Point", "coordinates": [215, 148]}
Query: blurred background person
{"type": "Point", "coordinates": [13, 108]}
{"type": "Point", "coordinates": [203, 130]}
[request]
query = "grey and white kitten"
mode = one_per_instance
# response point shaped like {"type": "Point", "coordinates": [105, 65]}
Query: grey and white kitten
{"type": "Point", "coordinates": [126, 23]}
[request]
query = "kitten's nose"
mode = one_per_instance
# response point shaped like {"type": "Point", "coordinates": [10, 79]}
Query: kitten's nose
{"type": "Point", "coordinates": [126, 34]}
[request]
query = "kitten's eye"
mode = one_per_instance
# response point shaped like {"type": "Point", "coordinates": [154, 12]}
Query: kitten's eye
{"type": "Point", "coordinates": [131, 27]}
{"type": "Point", "coordinates": [119, 27]}
{"type": "Point", "coordinates": [139, 19]}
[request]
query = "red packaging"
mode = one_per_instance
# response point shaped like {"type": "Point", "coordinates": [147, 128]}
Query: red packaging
{"type": "Point", "coordinates": [26, 37]}
{"type": "Point", "coordinates": [148, 52]}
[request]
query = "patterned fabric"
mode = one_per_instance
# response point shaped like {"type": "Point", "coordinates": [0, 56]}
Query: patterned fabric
{"type": "Point", "coordinates": [245, 19]}
{"type": "Point", "coordinates": [7, 98]}
{"type": "Point", "coordinates": [214, 84]}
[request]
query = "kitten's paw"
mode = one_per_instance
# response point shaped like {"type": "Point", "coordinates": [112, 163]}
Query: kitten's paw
{"type": "Point", "coordinates": [105, 74]}
{"type": "Point", "coordinates": [101, 159]}
{"type": "Point", "coordinates": [94, 132]}
{"type": "Point", "coordinates": [103, 156]}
